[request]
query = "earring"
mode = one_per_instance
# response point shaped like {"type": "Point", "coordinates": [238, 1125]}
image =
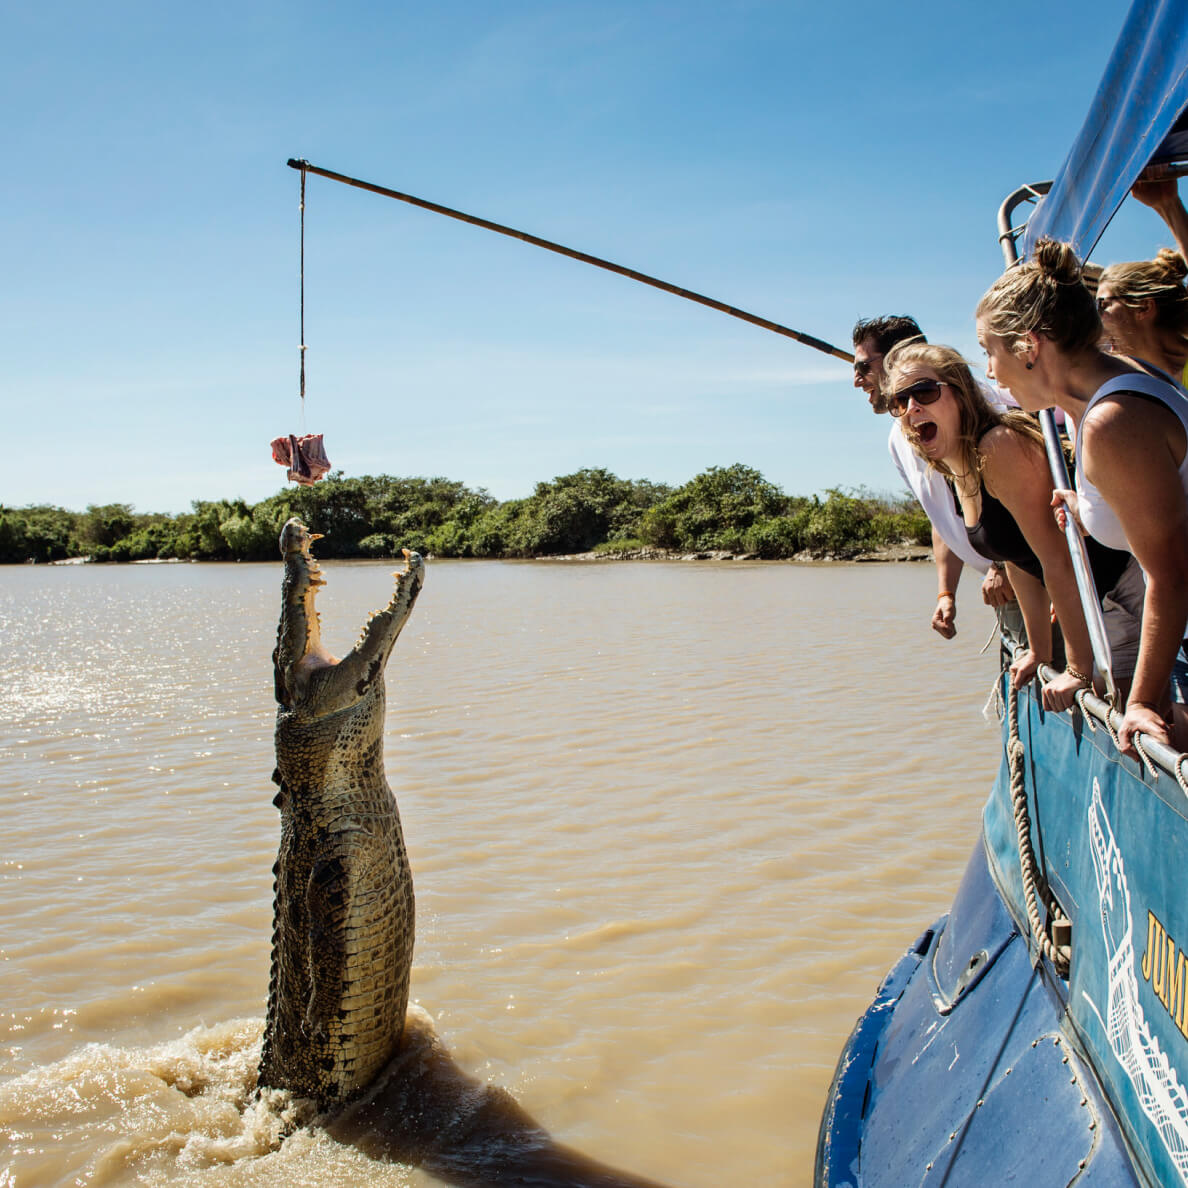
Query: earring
{"type": "Point", "coordinates": [1029, 366]}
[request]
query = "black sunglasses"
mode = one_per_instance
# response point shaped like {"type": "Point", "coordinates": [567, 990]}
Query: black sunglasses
{"type": "Point", "coordinates": [922, 392]}
{"type": "Point", "coordinates": [862, 367]}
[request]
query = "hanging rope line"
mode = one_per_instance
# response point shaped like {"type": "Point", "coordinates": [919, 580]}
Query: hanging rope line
{"type": "Point", "coordinates": [763, 323]}
{"type": "Point", "coordinates": [301, 348]}
{"type": "Point", "coordinates": [1035, 888]}
{"type": "Point", "coordinates": [302, 453]}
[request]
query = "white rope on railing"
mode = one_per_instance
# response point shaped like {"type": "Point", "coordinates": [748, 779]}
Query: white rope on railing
{"type": "Point", "coordinates": [1158, 755]}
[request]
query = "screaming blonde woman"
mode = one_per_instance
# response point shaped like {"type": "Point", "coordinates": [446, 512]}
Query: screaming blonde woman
{"type": "Point", "coordinates": [997, 470]}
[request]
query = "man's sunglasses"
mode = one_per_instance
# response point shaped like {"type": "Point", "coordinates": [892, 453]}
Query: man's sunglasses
{"type": "Point", "coordinates": [923, 392]}
{"type": "Point", "coordinates": [862, 367]}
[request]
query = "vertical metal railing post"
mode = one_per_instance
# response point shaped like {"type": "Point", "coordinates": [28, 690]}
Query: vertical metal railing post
{"type": "Point", "coordinates": [1080, 559]}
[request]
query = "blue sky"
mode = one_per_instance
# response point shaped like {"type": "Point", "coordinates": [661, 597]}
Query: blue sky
{"type": "Point", "coordinates": [811, 163]}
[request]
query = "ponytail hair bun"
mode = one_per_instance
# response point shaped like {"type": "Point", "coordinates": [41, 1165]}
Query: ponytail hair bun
{"type": "Point", "coordinates": [1173, 264]}
{"type": "Point", "coordinates": [1058, 261]}
{"type": "Point", "coordinates": [1045, 295]}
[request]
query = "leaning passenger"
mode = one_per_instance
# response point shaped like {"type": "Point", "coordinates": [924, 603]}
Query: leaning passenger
{"type": "Point", "coordinates": [997, 470]}
{"type": "Point", "coordinates": [951, 550]}
{"type": "Point", "coordinates": [1144, 309]}
{"type": "Point", "coordinates": [1041, 330]}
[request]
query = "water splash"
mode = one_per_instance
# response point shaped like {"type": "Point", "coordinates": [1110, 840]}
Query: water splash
{"type": "Point", "coordinates": [187, 1112]}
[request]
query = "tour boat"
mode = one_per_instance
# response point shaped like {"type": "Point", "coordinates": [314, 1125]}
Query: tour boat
{"type": "Point", "coordinates": [1038, 1032]}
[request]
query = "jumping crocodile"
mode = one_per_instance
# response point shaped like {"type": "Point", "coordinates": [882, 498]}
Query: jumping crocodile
{"type": "Point", "coordinates": [342, 940]}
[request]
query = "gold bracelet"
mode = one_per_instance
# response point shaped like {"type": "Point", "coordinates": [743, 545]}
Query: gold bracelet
{"type": "Point", "coordinates": [1078, 675]}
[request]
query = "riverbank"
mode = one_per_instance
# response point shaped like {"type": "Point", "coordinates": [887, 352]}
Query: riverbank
{"type": "Point", "coordinates": [725, 512]}
{"type": "Point", "coordinates": [901, 552]}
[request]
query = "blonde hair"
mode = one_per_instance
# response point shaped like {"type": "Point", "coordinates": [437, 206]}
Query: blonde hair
{"type": "Point", "coordinates": [1091, 275]}
{"type": "Point", "coordinates": [1160, 280]}
{"type": "Point", "coordinates": [976, 415]}
{"type": "Point", "coordinates": [1046, 295]}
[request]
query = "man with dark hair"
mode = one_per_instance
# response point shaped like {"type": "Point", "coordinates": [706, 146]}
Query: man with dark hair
{"type": "Point", "coordinates": [873, 338]}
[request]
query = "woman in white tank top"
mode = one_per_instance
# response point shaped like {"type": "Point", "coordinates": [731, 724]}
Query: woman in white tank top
{"type": "Point", "coordinates": [1128, 392]}
{"type": "Point", "coordinates": [1041, 331]}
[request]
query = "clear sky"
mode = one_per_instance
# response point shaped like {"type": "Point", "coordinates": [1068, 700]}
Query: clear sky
{"type": "Point", "coordinates": [811, 163]}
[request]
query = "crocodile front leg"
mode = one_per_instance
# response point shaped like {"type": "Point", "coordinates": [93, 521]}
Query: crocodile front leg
{"type": "Point", "coordinates": [326, 900]}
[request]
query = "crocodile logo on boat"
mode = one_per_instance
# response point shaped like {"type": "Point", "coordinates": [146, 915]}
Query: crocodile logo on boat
{"type": "Point", "coordinates": [1155, 1081]}
{"type": "Point", "coordinates": [344, 913]}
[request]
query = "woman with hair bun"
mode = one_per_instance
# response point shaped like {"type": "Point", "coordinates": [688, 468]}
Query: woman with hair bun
{"type": "Point", "coordinates": [996, 466]}
{"type": "Point", "coordinates": [1144, 310]}
{"type": "Point", "coordinates": [1041, 331]}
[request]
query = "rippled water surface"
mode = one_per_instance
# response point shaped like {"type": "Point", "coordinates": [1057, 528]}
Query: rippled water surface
{"type": "Point", "coordinates": [669, 826]}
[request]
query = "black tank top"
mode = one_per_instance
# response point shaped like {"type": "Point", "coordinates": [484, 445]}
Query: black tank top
{"type": "Point", "coordinates": [998, 537]}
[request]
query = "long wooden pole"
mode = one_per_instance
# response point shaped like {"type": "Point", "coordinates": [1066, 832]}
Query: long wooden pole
{"type": "Point", "coordinates": [548, 245]}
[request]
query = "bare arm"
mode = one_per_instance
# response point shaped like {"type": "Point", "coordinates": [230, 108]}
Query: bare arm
{"type": "Point", "coordinates": [1016, 473]}
{"type": "Point", "coordinates": [948, 574]}
{"type": "Point", "coordinates": [996, 587]}
{"type": "Point", "coordinates": [1163, 197]}
{"type": "Point", "coordinates": [1034, 605]}
{"type": "Point", "coordinates": [1150, 505]}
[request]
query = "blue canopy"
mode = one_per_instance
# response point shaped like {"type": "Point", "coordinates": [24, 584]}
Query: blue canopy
{"type": "Point", "coordinates": [1131, 124]}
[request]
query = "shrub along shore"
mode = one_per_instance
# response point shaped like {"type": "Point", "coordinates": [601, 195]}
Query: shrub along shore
{"type": "Point", "coordinates": [730, 510]}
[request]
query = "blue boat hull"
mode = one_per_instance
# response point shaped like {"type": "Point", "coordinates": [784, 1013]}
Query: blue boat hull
{"type": "Point", "coordinates": [978, 1062]}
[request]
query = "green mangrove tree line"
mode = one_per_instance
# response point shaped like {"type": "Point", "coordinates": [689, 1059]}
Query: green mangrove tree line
{"type": "Point", "coordinates": [731, 508]}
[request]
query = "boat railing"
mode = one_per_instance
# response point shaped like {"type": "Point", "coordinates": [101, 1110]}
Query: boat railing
{"type": "Point", "coordinates": [1008, 233]}
{"type": "Point", "coordinates": [1158, 757]}
{"type": "Point", "coordinates": [1048, 921]}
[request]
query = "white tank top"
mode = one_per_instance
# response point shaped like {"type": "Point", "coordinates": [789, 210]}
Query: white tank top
{"type": "Point", "coordinates": [1097, 515]}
